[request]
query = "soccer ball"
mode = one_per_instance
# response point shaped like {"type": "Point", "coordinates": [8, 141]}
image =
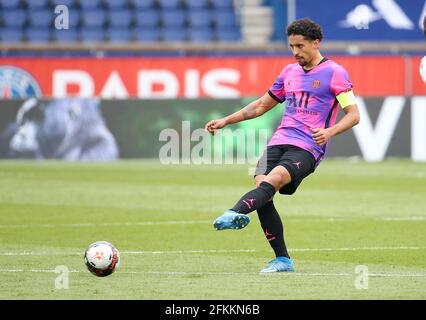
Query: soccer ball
{"type": "Point", "coordinates": [101, 258]}
{"type": "Point", "coordinates": [423, 69]}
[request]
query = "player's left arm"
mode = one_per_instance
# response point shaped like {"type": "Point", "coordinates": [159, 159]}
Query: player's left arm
{"type": "Point", "coordinates": [351, 118]}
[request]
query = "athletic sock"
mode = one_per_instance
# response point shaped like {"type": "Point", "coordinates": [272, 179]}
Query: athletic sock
{"type": "Point", "coordinates": [255, 198]}
{"type": "Point", "coordinates": [273, 228]}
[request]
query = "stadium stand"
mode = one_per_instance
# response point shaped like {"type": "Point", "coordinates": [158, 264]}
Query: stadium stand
{"type": "Point", "coordinates": [116, 4]}
{"type": "Point", "coordinates": [197, 4]}
{"type": "Point", "coordinates": [37, 4]}
{"type": "Point", "coordinates": [200, 18]}
{"type": "Point", "coordinates": [37, 34]}
{"type": "Point", "coordinates": [10, 4]}
{"type": "Point", "coordinates": [147, 34]}
{"type": "Point", "coordinates": [230, 24]}
{"type": "Point", "coordinates": [68, 35]}
{"type": "Point", "coordinates": [11, 35]}
{"type": "Point", "coordinates": [68, 3]}
{"type": "Point", "coordinates": [120, 20]}
{"type": "Point", "coordinates": [148, 18]}
{"type": "Point", "coordinates": [143, 4]}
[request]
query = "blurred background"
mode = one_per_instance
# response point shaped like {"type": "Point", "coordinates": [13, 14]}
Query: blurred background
{"type": "Point", "coordinates": [100, 79]}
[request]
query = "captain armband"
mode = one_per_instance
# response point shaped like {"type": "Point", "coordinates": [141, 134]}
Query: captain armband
{"type": "Point", "coordinates": [346, 98]}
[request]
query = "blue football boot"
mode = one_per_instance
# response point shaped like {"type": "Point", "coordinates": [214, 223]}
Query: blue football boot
{"type": "Point", "coordinates": [279, 264]}
{"type": "Point", "coordinates": [231, 220]}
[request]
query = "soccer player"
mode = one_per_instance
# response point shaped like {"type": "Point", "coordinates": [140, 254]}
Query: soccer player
{"type": "Point", "coordinates": [314, 89]}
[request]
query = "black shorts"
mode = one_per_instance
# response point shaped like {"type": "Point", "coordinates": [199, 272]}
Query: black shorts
{"type": "Point", "coordinates": [299, 163]}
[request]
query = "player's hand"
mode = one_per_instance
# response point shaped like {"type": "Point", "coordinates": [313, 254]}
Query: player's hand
{"type": "Point", "coordinates": [214, 125]}
{"type": "Point", "coordinates": [320, 136]}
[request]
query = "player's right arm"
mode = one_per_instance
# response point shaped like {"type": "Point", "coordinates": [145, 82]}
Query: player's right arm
{"type": "Point", "coordinates": [252, 110]}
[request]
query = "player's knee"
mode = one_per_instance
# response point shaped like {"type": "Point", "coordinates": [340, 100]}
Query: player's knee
{"type": "Point", "coordinates": [258, 180]}
{"type": "Point", "coordinates": [279, 177]}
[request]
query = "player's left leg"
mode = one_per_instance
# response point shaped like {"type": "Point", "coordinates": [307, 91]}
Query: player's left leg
{"type": "Point", "coordinates": [233, 219]}
{"type": "Point", "coordinates": [258, 197]}
{"type": "Point", "coordinates": [236, 218]}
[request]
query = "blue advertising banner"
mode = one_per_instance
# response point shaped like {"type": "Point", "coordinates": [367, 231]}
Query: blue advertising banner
{"type": "Point", "coordinates": [366, 20]}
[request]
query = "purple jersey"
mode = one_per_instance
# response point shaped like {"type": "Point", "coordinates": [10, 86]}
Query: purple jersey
{"type": "Point", "coordinates": [310, 103]}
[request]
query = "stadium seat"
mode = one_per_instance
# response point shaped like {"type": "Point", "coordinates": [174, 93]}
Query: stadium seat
{"type": "Point", "coordinates": [174, 35]}
{"type": "Point", "coordinates": [40, 17]}
{"type": "Point", "coordinates": [116, 4]}
{"type": "Point", "coordinates": [15, 18]}
{"type": "Point", "coordinates": [143, 4]}
{"type": "Point", "coordinates": [74, 17]}
{"type": "Point", "coordinates": [10, 4]}
{"type": "Point", "coordinates": [225, 35]}
{"type": "Point", "coordinates": [199, 18]}
{"type": "Point", "coordinates": [65, 35]}
{"type": "Point", "coordinates": [37, 4]}
{"type": "Point", "coordinates": [68, 3]}
{"type": "Point", "coordinates": [197, 4]}
{"type": "Point", "coordinates": [222, 4]}
{"type": "Point", "coordinates": [119, 34]}
{"type": "Point", "coordinates": [37, 34]}
{"type": "Point", "coordinates": [224, 18]}
{"type": "Point", "coordinates": [92, 34]}
{"type": "Point", "coordinates": [147, 18]}
{"type": "Point", "coordinates": [90, 4]}
{"type": "Point", "coordinates": [11, 35]}
{"type": "Point", "coordinates": [93, 17]}
{"type": "Point", "coordinates": [173, 18]}
{"type": "Point", "coordinates": [200, 34]}
{"type": "Point", "coordinates": [147, 35]}
{"type": "Point", "coordinates": [120, 18]}
{"type": "Point", "coordinates": [170, 4]}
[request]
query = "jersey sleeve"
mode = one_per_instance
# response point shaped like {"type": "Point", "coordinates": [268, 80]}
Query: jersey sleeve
{"type": "Point", "coordinates": [340, 81]}
{"type": "Point", "coordinates": [277, 91]}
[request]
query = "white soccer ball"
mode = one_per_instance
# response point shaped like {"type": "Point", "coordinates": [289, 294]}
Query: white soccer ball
{"type": "Point", "coordinates": [101, 258]}
{"type": "Point", "coordinates": [423, 69]}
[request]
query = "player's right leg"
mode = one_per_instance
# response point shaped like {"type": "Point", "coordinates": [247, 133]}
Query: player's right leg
{"type": "Point", "coordinates": [298, 164]}
{"type": "Point", "coordinates": [231, 219]}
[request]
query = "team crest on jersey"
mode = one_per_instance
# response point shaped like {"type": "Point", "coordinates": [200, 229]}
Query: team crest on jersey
{"type": "Point", "coordinates": [316, 84]}
{"type": "Point", "coordinates": [17, 83]}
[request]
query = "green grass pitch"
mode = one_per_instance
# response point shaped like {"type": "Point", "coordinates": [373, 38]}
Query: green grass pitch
{"type": "Point", "coordinates": [160, 218]}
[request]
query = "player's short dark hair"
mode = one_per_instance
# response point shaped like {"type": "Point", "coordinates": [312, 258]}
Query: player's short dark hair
{"type": "Point", "coordinates": [307, 28]}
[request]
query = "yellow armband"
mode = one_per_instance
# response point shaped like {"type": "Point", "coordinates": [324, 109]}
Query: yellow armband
{"type": "Point", "coordinates": [346, 98]}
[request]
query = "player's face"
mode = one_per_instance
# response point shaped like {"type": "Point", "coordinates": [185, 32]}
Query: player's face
{"type": "Point", "coordinates": [303, 50]}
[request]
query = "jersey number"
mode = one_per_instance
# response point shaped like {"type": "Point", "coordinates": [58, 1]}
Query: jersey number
{"type": "Point", "coordinates": [302, 103]}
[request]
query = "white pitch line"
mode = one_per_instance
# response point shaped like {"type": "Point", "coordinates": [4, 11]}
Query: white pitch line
{"type": "Point", "coordinates": [188, 251]}
{"type": "Point", "coordinates": [41, 253]}
{"type": "Point", "coordinates": [184, 273]}
{"type": "Point", "coordinates": [112, 224]}
{"type": "Point", "coordinates": [357, 249]}
{"type": "Point", "coordinates": [291, 250]}
{"type": "Point", "coordinates": [189, 222]}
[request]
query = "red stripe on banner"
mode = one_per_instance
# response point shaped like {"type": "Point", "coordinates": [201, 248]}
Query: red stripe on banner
{"type": "Point", "coordinates": [193, 77]}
